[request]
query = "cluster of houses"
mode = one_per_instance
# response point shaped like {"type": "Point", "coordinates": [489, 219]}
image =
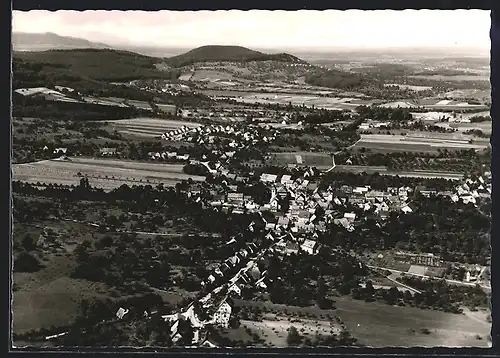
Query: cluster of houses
{"type": "Point", "coordinates": [299, 204]}
{"type": "Point", "coordinates": [472, 190]}
{"type": "Point", "coordinates": [237, 136]}
{"type": "Point", "coordinates": [174, 155]}
{"type": "Point", "coordinates": [214, 305]}
{"type": "Point", "coordinates": [160, 86]}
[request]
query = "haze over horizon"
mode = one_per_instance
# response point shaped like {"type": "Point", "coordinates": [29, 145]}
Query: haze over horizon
{"type": "Point", "coordinates": [259, 29]}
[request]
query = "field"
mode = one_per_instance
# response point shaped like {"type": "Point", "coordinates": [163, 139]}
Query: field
{"type": "Point", "coordinates": [210, 76]}
{"type": "Point", "coordinates": [319, 160]}
{"type": "Point", "coordinates": [139, 104]}
{"type": "Point", "coordinates": [310, 97]}
{"type": "Point", "coordinates": [404, 174]}
{"type": "Point", "coordinates": [434, 104]}
{"type": "Point", "coordinates": [167, 108]}
{"type": "Point", "coordinates": [324, 161]}
{"type": "Point", "coordinates": [485, 127]}
{"type": "Point", "coordinates": [455, 78]}
{"type": "Point", "coordinates": [148, 127]}
{"type": "Point", "coordinates": [118, 102]}
{"type": "Point", "coordinates": [102, 173]}
{"type": "Point", "coordinates": [412, 88]}
{"type": "Point", "coordinates": [38, 293]}
{"type": "Point", "coordinates": [379, 325]}
{"type": "Point", "coordinates": [376, 324]}
{"type": "Point", "coordinates": [397, 143]}
{"type": "Point", "coordinates": [469, 93]}
{"type": "Point", "coordinates": [273, 327]}
{"type": "Point", "coordinates": [274, 330]}
{"type": "Point", "coordinates": [308, 100]}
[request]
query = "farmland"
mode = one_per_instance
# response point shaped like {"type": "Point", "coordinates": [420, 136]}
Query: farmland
{"type": "Point", "coordinates": [405, 174]}
{"type": "Point", "coordinates": [383, 143]}
{"type": "Point", "coordinates": [306, 100]}
{"type": "Point", "coordinates": [274, 330]}
{"type": "Point", "coordinates": [346, 103]}
{"type": "Point", "coordinates": [38, 293]}
{"type": "Point", "coordinates": [455, 78]}
{"type": "Point", "coordinates": [102, 173]}
{"type": "Point", "coordinates": [324, 161]}
{"type": "Point", "coordinates": [148, 127]}
{"type": "Point", "coordinates": [378, 325]}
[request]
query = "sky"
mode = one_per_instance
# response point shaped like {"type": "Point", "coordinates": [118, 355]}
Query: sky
{"type": "Point", "coordinates": [267, 29]}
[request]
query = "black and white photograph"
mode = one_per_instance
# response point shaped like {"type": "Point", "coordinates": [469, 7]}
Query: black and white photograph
{"type": "Point", "coordinates": [251, 179]}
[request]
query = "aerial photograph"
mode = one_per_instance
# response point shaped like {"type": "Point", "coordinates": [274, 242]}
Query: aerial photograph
{"type": "Point", "coordinates": [250, 179]}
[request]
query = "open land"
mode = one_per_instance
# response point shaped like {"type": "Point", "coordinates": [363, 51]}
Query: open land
{"type": "Point", "coordinates": [148, 127]}
{"type": "Point", "coordinates": [379, 325]}
{"type": "Point", "coordinates": [398, 143]}
{"type": "Point", "coordinates": [324, 161]}
{"type": "Point", "coordinates": [102, 173]}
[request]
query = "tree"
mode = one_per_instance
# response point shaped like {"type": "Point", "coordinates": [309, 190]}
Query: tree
{"type": "Point", "coordinates": [293, 338]}
{"type": "Point", "coordinates": [27, 263]}
{"type": "Point", "coordinates": [28, 243]}
{"type": "Point", "coordinates": [369, 288]}
{"type": "Point", "coordinates": [392, 295]}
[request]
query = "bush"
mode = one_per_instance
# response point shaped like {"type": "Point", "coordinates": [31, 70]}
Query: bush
{"type": "Point", "coordinates": [27, 263]}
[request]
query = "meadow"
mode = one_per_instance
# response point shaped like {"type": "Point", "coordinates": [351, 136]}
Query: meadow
{"type": "Point", "coordinates": [103, 173]}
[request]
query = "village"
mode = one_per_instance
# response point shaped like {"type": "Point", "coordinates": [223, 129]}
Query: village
{"type": "Point", "coordinates": [294, 213]}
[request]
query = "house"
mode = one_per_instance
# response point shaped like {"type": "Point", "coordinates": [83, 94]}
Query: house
{"type": "Point", "coordinates": [350, 216]}
{"type": "Point", "coordinates": [426, 260]}
{"type": "Point", "coordinates": [407, 209]}
{"type": "Point", "coordinates": [375, 194]}
{"type": "Point", "coordinates": [268, 178]}
{"type": "Point", "coordinates": [234, 288]}
{"type": "Point", "coordinates": [360, 190]}
{"type": "Point", "coordinates": [61, 151]}
{"type": "Point", "coordinates": [283, 221]}
{"type": "Point", "coordinates": [235, 198]}
{"type": "Point", "coordinates": [182, 157]}
{"type": "Point", "coordinates": [121, 313]}
{"type": "Point", "coordinates": [108, 151]}
{"type": "Point", "coordinates": [309, 246]}
{"type": "Point", "coordinates": [343, 222]}
{"type": "Point", "coordinates": [286, 179]}
{"type": "Point", "coordinates": [468, 199]}
{"type": "Point", "coordinates": [346, 189]}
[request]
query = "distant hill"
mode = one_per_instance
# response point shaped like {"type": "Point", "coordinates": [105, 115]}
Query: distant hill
{"type": "Point", "coordinates": [22, 41]}
{"type": "Point", "coordinates": [95, 64]}
{"type": "Point", "coordinates": [215, 53]}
